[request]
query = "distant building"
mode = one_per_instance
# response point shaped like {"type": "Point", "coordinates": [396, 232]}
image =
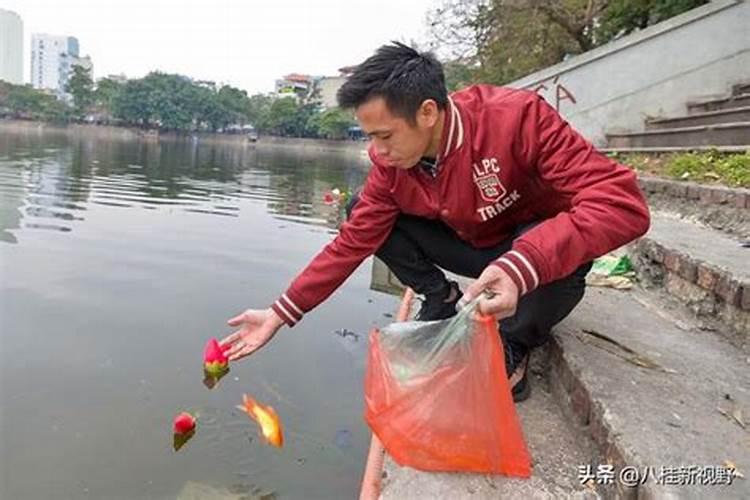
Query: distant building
{"type": "Point", "coordinates": [306, 88]}
{"type": "Point", "coordinates": [295, 85]}
{"type": "Point", "coordinates": [52, 60]}
{"type": "Point", "coordinates": [11, 47]}
{"type": "Point", "coordinates": [327, 88]}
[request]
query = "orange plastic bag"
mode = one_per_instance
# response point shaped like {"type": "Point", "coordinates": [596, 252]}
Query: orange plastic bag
{"type": "Point", "coordinates": [437, 396]}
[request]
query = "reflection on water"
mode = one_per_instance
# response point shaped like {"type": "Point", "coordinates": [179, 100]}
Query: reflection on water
{"type": "Point", "coordinates": [51, 187]}
{"type": "Point", "coordinates": [118, 260]}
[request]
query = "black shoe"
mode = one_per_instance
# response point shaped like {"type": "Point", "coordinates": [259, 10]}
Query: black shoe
{"type": "Point", "coordinates": [440, 305]}
{"type": "Point", "coordinates": [517, 368]}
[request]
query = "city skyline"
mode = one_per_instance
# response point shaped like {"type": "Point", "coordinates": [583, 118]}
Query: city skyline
{"type": "Point", "coordinates": [11, 47]}
{"type": "Point", "coordinates": [248, 47]}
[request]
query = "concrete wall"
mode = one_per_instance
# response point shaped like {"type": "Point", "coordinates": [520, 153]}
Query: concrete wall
{"type": "Point", "coordinates": [652, 73]}
{"type": "Point", "coordinates": [359, 147]}
{"type": "Point", "coordinates": [328, 86]}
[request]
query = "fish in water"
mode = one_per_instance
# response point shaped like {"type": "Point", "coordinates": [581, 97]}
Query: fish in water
{"type": "Point", "coordinates": [268, 420]}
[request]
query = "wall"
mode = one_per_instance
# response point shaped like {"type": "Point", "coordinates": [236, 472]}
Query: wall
{"type": "Point", "coordinates": [652, 73]}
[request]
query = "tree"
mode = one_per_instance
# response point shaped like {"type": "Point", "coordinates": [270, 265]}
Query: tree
{"type": "Point", "coordinates": [334, 123]}
{"type": "Point", "coordinates": [26, 102]}
{"type": "Point", "coordinates": [81, 87]}
{"type": "Point", "coordinates": [502, 40]}
{"type": "Point", "coordinates": [458, 74]}
{"type": "Point", "coordinates": [105, 94]}
{"type": "Point", "coordinates": [282, 116]}
{"type": "Point", "coordinates": [258, 110]}
{"type": "Point", "coordinates": [623, 17]}
{"type": "Point", "coordinates": [133, 103]}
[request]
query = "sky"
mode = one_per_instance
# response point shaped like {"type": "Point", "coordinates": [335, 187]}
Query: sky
{"type": "Point", "coordinates": [244, 43]}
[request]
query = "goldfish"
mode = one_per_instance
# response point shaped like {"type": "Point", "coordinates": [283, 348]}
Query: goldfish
{"type": "Point", "coordinates": [270, 425]}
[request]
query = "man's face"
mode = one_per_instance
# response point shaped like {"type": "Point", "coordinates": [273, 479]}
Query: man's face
{"type": "Point", "coordinates": [399, 143]}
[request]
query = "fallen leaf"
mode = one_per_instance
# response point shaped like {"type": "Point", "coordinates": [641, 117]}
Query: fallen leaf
{"type": "Point", "coordinates": [735, 415]}
{"type": "Point", "coordinates": [623, 352]}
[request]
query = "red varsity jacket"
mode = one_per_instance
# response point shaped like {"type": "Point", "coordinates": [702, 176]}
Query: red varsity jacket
{"type": "Point", "coordinates": [506, 158]}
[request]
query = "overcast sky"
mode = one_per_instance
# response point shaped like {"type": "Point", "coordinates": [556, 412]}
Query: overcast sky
{"type": "Point", "coordinates": [244, 43]}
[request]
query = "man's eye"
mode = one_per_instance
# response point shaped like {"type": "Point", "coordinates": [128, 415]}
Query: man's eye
{"type": "Point", "coordinates": [385, 137]}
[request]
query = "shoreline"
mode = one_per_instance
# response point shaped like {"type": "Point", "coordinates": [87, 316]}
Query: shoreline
{"type": "Point", "coordinates": [111, 132]}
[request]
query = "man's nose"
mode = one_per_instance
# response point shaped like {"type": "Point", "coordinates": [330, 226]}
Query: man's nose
{"type": "Point", "coordinates": [381, 148]}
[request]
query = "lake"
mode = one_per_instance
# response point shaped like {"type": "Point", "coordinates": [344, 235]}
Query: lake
{"type": "Point", "coordinates": [118, 261]}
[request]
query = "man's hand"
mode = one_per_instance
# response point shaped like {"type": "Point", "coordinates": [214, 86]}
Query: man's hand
{"type": "Point", "coordinates": [505, 292]}
{"type": "Point", "coordinates": [256, 328]}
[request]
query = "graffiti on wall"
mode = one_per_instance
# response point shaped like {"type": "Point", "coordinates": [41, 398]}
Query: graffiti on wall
{"type": "Point", "coordinates": [555, 92]}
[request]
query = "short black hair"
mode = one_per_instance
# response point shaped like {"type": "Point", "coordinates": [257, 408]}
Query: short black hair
{"type": "Point", "coordinates": [401, 75]}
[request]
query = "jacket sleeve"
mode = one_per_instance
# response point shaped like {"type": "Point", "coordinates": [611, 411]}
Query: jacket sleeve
{"type": "Point", "coordinates": [607, 208]}
{"type": "Point", "coordinates": [368, 226]}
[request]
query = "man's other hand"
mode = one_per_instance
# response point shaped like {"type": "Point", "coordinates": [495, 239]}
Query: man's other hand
{"type": "Point", "coordinates": [503, 292]}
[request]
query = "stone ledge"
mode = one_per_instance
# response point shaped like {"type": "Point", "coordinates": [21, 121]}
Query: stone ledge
{"type": "Point", "coordinates": [707, 290]}
{"type": "Point", "coordinates": [704, 194]}
{"type": "Point", "coordinates": [720, 282]}
{"type": "Point", "coordinates": [642, 417]}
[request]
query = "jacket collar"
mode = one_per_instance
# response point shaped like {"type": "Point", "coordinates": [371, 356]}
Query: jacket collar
{"type": "Point", "coordinates": [453, 131]}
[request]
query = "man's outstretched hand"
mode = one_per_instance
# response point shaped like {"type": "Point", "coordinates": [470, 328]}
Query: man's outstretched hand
{"type": "Point", "coordinates": [256, 328]}
{"type": "Point", "coordinates": [503, 292]}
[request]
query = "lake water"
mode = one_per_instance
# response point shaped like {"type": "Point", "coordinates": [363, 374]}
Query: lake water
{"type": "Point", "coordinates": [118, 260]}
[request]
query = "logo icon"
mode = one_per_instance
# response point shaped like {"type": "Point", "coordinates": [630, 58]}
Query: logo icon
{"type": "Point", "coordinates": [490, 187]}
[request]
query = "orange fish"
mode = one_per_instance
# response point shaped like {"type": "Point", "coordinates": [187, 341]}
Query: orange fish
{"type": "Point", "coordinates": [270, 425]}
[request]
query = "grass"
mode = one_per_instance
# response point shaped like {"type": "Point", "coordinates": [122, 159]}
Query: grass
{"type": "Point", "coordinates": [711, 167]}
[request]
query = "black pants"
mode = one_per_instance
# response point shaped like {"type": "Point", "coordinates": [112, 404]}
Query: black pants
{"type": "Point", "coordinates": [417, 246]}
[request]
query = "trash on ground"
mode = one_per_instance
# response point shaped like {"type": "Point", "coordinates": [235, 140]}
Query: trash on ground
{"type": "Point", "coordinates": [611, 271]}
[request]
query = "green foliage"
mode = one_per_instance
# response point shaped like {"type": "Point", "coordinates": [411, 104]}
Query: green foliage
{"type": "Point", "coordinates": [26, 102]}
{"type": "Point", "coordinates": [458, 75]}
{"type": "Point", "coordinates": [105, 93]}
{"type": "Point", "coordinates": [81, 87]}
{"type": "Point", "coordinates": [504, 40]}
{"type": "Point", "coordinates": [732, 169]}
{"type": "Point", "coordinates": [622, 17]}
{"type": "Point", "coordinates": [258, 109]}
{"type": "Point", "coordinates": [334, 123]}
{"type": "Point", "coordinates": [282, 116]}
{"type": "Point", "coordinates": [175, 102]}
{"type": "Point", "coordinates": [132, 103]}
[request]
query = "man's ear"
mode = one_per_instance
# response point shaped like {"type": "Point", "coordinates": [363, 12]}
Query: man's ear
{"type": "Point", "coordinates": [428, 113]}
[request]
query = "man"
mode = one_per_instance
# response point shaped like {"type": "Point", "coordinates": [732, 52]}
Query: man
{"type": "Point", "coordinates": [489, 183]}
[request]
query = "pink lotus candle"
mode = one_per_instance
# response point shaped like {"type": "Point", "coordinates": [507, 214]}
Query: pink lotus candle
{"type": "Point", "coordinates": [215, 362]}
{"type": "Point", "coordinates": [184, 423]}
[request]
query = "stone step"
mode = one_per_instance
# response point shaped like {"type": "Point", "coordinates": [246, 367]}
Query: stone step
{"type": "Point", "coordinates": [733, 115]}
{"type": "Point", "coordinates": [735, 101]}
{"type": "Point", "coordinates": [724, 134]}
{"type": "Point", "coordinates": [654, 419]}
{"type": "Point", "coordinates": [722, 208]}
{"type": "Point", "coordinates": [677, 149]}
{"type": "Point", "coordinates": [741, 88]}
{"type": "Point", "coordinates": [705, 270]}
